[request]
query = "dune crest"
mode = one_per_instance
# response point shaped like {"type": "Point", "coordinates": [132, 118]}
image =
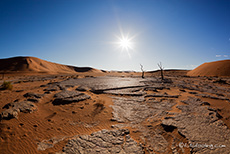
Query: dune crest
{"type": "Point", "coordinates": [36, 65]}
{"type": "Point", "coordinates": [216, 68]}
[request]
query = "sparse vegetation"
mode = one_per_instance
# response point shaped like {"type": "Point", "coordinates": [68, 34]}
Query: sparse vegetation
{"type": "Point", "coordinates": [6, 85]}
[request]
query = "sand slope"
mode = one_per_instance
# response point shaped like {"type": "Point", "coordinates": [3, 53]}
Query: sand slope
{"type": "Point", "coordinates": [216, 68]}
{"type": "Point", "coordinates": [33, 64]}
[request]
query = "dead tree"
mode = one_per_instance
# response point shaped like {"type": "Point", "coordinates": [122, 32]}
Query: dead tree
{"type": "Point", "coordinates": [143, 72]}
{"type": "Point", "coordinates": [162, 70]}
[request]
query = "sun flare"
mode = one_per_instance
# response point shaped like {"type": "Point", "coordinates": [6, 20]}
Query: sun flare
{"type": "Point", "coordinates": [125, 43]}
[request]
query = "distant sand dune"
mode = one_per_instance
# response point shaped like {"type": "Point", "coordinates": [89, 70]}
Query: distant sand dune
{"type": "Point", "coordinates": [217, 68]}
{"type": "Point", "coordinates": [36, 65]}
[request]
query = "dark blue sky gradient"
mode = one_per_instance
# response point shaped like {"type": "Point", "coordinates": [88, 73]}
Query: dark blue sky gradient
{"type": "Point", "coordinates": [179, 33]}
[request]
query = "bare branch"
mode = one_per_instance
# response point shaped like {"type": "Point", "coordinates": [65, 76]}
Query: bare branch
{"type": "Point", "coordinates": [142, 71]}
{"type": "Point", "coordinates": [162, 70]}
{"type": "Point", "coordinates": [141, 67]}
{"type": "Point", "coordinates": [160, 66]}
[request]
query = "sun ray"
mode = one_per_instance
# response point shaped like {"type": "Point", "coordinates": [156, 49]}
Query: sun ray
{"type": "Point", "coordinates": [125, 42]}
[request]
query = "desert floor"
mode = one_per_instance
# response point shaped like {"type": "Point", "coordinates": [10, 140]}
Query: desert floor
{"type": "Point", "coordinates": [115, 113]}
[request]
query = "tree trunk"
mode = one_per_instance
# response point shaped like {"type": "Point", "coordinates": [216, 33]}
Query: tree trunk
{"type": "Point", "coordinates": [162, 75]}
{"type": "Point", "coordinates": [143, 74]}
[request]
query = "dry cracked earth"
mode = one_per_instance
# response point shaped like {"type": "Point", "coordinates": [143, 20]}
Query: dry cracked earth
{"type": "Point", "coordinates": [178, 115]}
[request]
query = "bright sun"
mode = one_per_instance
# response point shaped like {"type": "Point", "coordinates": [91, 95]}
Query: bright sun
{"type": "Point", "coordinates": [125, 43]}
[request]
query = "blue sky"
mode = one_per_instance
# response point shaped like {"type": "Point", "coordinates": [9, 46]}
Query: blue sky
{"type": "Point", "coordinates": [178, 33]}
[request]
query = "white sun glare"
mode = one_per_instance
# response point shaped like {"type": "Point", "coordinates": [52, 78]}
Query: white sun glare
{"type": "Point", "coordinates": [125, 43]}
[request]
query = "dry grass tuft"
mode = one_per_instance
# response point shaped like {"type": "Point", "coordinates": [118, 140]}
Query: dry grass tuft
{"type": "Point", "coordinates": [7, 85]}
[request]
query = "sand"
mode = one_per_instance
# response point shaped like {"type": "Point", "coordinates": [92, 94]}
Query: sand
{"type": "Point", "coordinates": [22, 135]}
{"type": "Point", "coordinates": [217, 68]}
{"type": "Point", "coordinates": [36, 65]}
{"type": "Point", "coordinates": [48, 129]}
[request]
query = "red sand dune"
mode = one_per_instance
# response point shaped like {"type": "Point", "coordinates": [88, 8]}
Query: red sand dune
{"type": "Point", "coordinates": [216, 68]}
{"type": "Point", "coordinates": [36, 65]}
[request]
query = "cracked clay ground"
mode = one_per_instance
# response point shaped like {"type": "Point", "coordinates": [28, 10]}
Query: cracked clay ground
{"type": "Point", "coordinates": [71, 114]}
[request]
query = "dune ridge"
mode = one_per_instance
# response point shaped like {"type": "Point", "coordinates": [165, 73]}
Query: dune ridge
{"type": "Point", "coordinates": [36, 65]}
{"type": "Point", "coordinates": [216, 68]}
